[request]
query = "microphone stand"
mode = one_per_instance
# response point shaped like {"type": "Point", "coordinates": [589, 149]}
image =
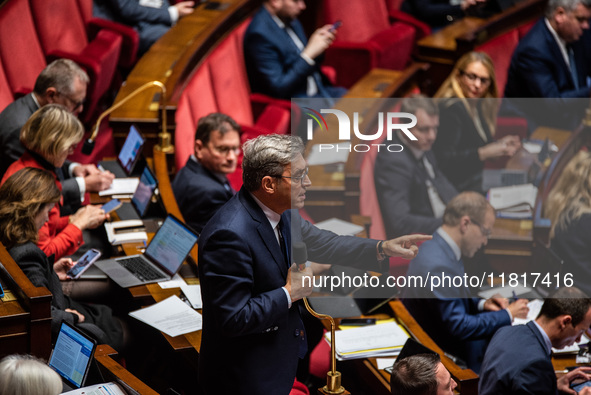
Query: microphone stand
{"type": "Point", "coordinates": [333, 377]}
{"type": "Point", "coordinates": [164, 137]}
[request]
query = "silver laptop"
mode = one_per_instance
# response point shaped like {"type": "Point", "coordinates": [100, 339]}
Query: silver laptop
{"type": "Point", "coordinates": [141, 199]}
{"type": "Point", "coordinates": [129, 156]}
{"type": "Point", "coordinates": [162, 260]}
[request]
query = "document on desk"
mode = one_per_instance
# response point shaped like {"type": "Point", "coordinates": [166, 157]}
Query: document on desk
{"type": "Point", "coordinates": [340, 227]}
{"type": "Point", "coordinates": [121, 186]}
{"type": "Point", "coordinates": [369, 341]}
{"type": "Point", "coordinates": [98, 389]}
{"type": "Point", "coordinates": [171, 316]}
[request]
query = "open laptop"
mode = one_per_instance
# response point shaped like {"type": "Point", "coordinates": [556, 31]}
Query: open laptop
{"type": "Point", "coordinates": [141, 199]}
{"type": "Point", "coordinates": [128, 156]}
{"type": "Point", "coordinates": [162, 260]}
{"type": "Point", "coordinates": [72, 356]}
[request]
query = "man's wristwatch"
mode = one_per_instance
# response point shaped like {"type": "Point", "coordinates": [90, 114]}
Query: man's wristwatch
{"type": "Point", "coordinates": [381, 254]}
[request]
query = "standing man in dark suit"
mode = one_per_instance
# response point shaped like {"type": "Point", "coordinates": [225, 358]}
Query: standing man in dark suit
{"type": "Point", "coordinates": [411, 189]}
{"type": "Point", "coordinates": [460, 324]}
{"type": "Point", "coordinates": [550, 62]}
{"type": "Point", "coordinates": [280, 61]}
{"type": "Point", "coordinates": [201, 187]}
{"type": "Point", "coordinates": [252, 330]}
{"type": "Point", "coordinates": [61, 82]}
{"type": "Point", "coordinates": [519, 358]}
{"type": "Point", "coordinates": [150, 18]}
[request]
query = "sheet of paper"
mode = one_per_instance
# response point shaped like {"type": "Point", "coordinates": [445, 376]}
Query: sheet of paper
{"type": "Point", "coordinates": [320, 155]}
{"type": "Point", "coordinates": [98, 389]}
{"type": "Point", "coordinates": [171, 316]}
{"type": "Point", "coordinates": [193, 294]}
{"type": "Point", "coordinates": [339, 227]}
{"type": "Point", "coordinates": [534, 309]}
{"type": "Point", "coordinates": [176, 282]}
{"type": "Point", "coordinates": [121, 186]}
{"type": "Point", "coordinates": [371, 337]}
{"type": "Point", "coordinates": [505, 292]}
{"type": "Point", "coordinates": [384, 363]}
{"type": "Point", "coordinates": [504, 197]}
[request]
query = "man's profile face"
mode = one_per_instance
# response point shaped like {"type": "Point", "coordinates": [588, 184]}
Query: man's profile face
{"type": "Point", "coordinates": [445, 384]}
{"type": "Point", "coordinates": [291, 192]}
{"type": "Point", "coordinates": [425, 130]}
{"type": "Point", "coordinates": [74, 101]}
{"type": "Point", "coordinates": [572, 334]}
{"type": "Point", "coordinates": [220, 154]}
{"type": "Point", "coordinates": [289, 10]}
{"type": "Point", "coordinates": [571, 24]}
{"type": "Point", "coordinates": [476, 234]}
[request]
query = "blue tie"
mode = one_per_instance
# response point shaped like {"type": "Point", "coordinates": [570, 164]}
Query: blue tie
{"type": "Point", "coordinates": [573, 67]}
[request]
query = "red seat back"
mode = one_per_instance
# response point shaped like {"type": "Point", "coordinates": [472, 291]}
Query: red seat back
{"type": "Point", "coordinates": [362, 19]}
{"type": "Point", "coordinates": [5, 92]}
{"type": "Point", "coordinates": [20, 49]}
{"type": "Point", "coordinates": [500, 49]}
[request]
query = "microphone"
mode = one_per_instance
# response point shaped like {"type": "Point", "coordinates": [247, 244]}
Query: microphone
{"type": "Point", "coordinates": [165, 137]}
{"type": "Point", "coordinates": [299, 252]}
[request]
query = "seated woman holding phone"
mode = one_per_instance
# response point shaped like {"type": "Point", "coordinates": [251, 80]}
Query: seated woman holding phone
{"type": "Point", "coordinates": [26, 200]}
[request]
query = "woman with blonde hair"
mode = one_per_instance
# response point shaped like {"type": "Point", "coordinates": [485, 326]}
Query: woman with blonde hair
{"type": "Point", "coordinates": [568, 206]}
{"type": "Point", "coordinates": [467, 121]}
{"type": "Point", "coordinates": [49, 136]}
{"type": "Point", "coordinates": [26, 200]}
{"type": "Point", "coordinates": [27, 375]}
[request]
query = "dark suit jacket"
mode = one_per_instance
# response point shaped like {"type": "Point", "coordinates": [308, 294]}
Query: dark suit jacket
{"type": "Point", "coordinates": [249, 333]}
{"type": "Point", "coordinates": [538, 70]}
{"type": "Point", "coordinates": [457, 143]}
{"type": "Point", "coordinates": [273, 61]}
{"type": "Point", "coordinates": [12, 120]}
{"type": "Point", "coordinates": [199, 194]}
{"type": "Point", "coordinates": [517, 362]}
{"type": "Point", "coordinates": [435, 13]}
{"type": "Point", "coordinates": [450, 315]}
{"type": "Point", "coordinates": [98, 318]}
{"type": "Point", "coordinates": [572, 245]}
{"type": "Point", "coordinates": [402, 192]}
{"type": "Point", "coordinates": [151, 23]}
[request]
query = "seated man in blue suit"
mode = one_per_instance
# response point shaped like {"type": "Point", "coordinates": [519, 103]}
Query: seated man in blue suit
{"type": "Point", "coordinates": [460, 324]}
{"type": "Point", "coordinates": [280, 61]}
{"type": "Point", "coordinates": [551, 62]}
{"type": "Point", "coordinates": [519, 358]}
{"type": "Point", "coordinates": [252, 328]}
{"type": "Point", "coordinates": [201, 186]}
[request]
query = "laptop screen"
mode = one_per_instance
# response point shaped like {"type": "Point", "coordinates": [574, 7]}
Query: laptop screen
{"type": "Point", "coordinates": [131, 149]}
{"type": "Point", "coordinates": [171, 244]}
{"type": "Point", "coordinates": [143, 194]}
{"type": "Point", "coordinates": [72, 355]}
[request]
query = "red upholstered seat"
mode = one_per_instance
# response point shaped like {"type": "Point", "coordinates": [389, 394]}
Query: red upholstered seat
{"type": "Point", "coordinates": [500, 49]}
{"type": "Point", "coordinates": [369, 38]}
{"type": "Point", "coordinates": [62, 33]}
{"type": "Point", "coordinates": [20, 49]}
{"type": "Point", "coordinates": [5, 91]}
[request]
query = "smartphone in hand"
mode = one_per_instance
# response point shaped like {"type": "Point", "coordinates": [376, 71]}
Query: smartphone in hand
{"type": "Point", "coordinates": [335, 26]}
{"type": "Point", "coordinates": [84, 263]}
{"type": "Point", "coordinates": [112, 205]}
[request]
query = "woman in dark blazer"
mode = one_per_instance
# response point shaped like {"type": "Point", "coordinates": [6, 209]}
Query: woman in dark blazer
{"type": "Point", "coordinates": [26, 198]}
{"type": "Point", "coordinates": [467, 118]}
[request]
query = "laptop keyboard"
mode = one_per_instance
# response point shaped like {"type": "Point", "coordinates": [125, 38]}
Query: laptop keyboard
{"type": "Point", "coordinates": [138, 267]}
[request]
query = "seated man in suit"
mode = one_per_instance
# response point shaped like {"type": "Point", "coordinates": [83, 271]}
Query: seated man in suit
{"type": "Point", "coordinates": [459, 324]}
{"type": "Point", "coordinates": [249, 286]}
{"type": "Point", "coordinates": [280, 61]}
{"type": "Point", "coordinates": [61, 82]}
{"type": "Point", "coordinates": [422, 374]}
{"type": "Point", "coordinates": [519, 358]}
{"type": "Point", "coordinates": [551, 62]}
{"type": "Point", "coordinates": [151, 19]}
{"type": "Point", "coordinates": [411, 189]}
{"type": "Point", "coordinates": [201, 187]}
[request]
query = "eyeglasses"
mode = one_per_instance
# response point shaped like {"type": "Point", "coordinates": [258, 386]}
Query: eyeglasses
{"type": "Point", "coordinates": [485, 232]}
{"type": "Point", "coordinates": [298, 179]}
{"type": "Point", "coordinates": [473, 77]}
{"type": "Point", "coordinates": [223, 150]}
{"type": "Point", "coordinates": [77, 104]}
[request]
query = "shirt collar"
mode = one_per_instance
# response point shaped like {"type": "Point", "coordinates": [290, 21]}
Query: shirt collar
{"type": "Point", "coordinates": [545, 336]}
{"type": "Point", "coordinates": [452, 244]}
{"type": "Point", "coordinates": [278, 21]}
{"type": "Point", "coordinates": [220, 176]}
{"type": "Point", "coordinates": [35, 100]}
{"type": "Point", "coordinates": [271, 215]}
{"type": "Point", "coordinates": [561, 43]}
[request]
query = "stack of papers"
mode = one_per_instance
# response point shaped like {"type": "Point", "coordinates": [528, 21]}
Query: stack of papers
{"type": "Point", "coordinates": [171, 316]}
{"type": "Point", "coordinates": [516, 201]}
{"type": "Point", "coordinates": [383, 340]}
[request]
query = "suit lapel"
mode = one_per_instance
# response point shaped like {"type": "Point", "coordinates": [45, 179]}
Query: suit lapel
{"type": "Point", "coordinates": [557, 54]}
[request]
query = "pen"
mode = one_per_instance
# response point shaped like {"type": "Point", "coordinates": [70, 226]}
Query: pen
{"type": "Point", "coordinates": [101, 168]}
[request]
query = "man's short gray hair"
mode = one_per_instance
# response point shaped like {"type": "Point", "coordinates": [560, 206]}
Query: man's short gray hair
{"type": "Point", "coordinates": [60, 75]}
{"type": "Point", "coordinates": [568, 5]}
{"type": "Point", "coordinates": [267, 155]}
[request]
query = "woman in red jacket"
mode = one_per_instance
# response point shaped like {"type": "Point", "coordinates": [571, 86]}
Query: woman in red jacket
{"type": "Point", "coordinates": [49, 136]}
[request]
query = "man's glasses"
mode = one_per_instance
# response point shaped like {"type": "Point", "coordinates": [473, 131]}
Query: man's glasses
{"type": "Point", "coordinates": [473, 77]}
{"type": "Point", "coordinates": [485, 232]}
{"type": "Point", "coordinates": [77, 104]}
{"type": "Point", "coordinates": [226, 150]}
{"type": "Point", "coordinates": [298, 179]}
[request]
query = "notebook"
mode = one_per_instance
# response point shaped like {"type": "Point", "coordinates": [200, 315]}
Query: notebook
{"type": "Point", "coordinates": [161, 261]}
{"type": "Point", "coordinates": [72, 356]}
{"type": "Point", "coordinates": [141, 198]}
{"type": "Point", "coordinates": [129, 155]}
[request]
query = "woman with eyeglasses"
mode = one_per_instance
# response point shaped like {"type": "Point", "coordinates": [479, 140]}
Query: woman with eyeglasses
{"type": "Point", "coordinates": [467, 120]}
{"type": "Point", "coordinates": [48, 137]}
{"type": "Point", "coordinates": [26, 201]}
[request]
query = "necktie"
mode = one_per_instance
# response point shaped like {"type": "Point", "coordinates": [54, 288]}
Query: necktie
{"type": "Point", "coordinates": [283, 242]}
{"type": "Point", "coordinates": [573, 67]}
